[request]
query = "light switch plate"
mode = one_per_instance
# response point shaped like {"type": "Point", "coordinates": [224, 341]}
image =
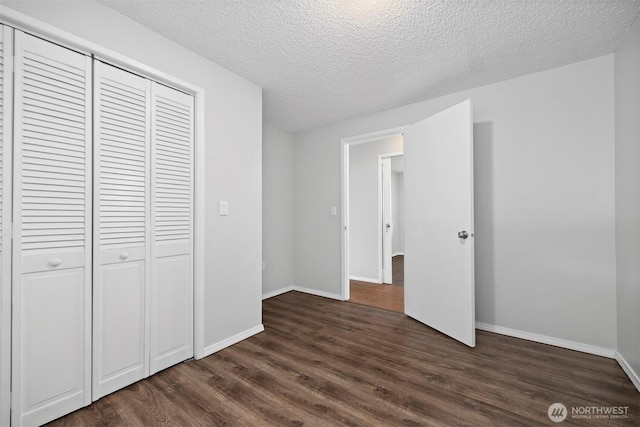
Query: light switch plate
{"type": "Point", "coordinates": [223, 208]}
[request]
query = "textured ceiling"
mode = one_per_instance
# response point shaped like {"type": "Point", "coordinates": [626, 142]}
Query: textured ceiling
{"type": "Point", "coordinates": [321, 61]}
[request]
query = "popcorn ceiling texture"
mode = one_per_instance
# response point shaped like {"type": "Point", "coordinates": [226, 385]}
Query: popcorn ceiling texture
{"type": "Point", "coordinates": [321, 61]}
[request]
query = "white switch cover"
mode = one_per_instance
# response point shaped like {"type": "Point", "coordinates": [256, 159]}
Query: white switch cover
{"type": "Point", "coordinates": [334, 210]}
{"type": "Point", "coordinates": [224, 208]}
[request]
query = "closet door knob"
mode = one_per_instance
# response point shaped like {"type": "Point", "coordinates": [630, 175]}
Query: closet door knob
{"type": "Point", "coordinates": [124, 255]}
{"type": "Point", "coordinates": [54, 262]}
{"type": "Point", "coordinates": [463, 234]}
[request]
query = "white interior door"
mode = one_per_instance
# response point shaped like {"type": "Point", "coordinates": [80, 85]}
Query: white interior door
{"type": "Point", "coordinates": [172, 224]}
{"type": "Point", "coordinates": [6, 107]}
{"type": "Point", "coordinates": [121, 228]}
{"type": "Point", "coordinates": [51, 351]}
{"type": "Point", "coordinates": [387, 220]}
{"type": "Point", "coordinates": [439, 262]}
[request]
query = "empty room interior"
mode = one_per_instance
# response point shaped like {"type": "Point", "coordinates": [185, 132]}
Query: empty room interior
{"type": "Point", "coordinates": [331, 212]}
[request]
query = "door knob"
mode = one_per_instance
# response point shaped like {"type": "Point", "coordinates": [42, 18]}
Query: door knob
{"type": "Point", "coordinates": [54, 262]}
{"type": "Point", "coordinates": [463, 234]}
{"type": "Point", "coordinates": [124, 255]}
{"type": "Point", "coordinates": [388, 226]}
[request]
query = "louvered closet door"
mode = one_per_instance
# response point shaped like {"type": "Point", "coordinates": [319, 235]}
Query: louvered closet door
{"type": "Point", "coordinates": [121, 229]}
{"type": "Point", "coordinates": [6, 87]}
{"type": "Point", "coordinates": [52, 232]}
{"type": "Point", "coordinates": [172, 222]}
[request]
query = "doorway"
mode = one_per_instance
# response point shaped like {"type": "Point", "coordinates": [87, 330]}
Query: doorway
{"type": "Point", "coordinates": [391, 206]}
{"type": "Point", "coordinates": [375, 267]}
{"type": "Point", "coordinates": [440, 288]}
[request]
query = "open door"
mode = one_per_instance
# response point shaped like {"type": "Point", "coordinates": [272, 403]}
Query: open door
{"type": "Point", "coordinates": [439, 263]}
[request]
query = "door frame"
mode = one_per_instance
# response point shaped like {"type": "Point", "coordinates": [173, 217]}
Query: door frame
{"type": "Point", "coordinates": [381, 252]}
{"type": "Point", "coordinates": [46, 31]}
{"type": "Point", "coordinates": [7, 197]}
{"type": "Point", "coordinates": [344, 223]}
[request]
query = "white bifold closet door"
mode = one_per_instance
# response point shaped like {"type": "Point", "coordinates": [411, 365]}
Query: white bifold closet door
{"type": "Point", "coordinates": [143, 212]}
{"type": "Point", "coordinates": [51, 360]}
{"type": "Point", "coordinates": [172, 222]}
{"type": "Point", "coordinates": [122, 228]}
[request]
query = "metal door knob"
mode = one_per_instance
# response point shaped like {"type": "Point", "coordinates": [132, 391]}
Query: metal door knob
{"type": "Point", "coordinates": [463, 234]}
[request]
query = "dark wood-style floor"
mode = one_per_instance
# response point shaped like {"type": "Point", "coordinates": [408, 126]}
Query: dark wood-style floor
{"type": "Point", "coordinates": [388, 297]}
{"type": "Point", "coordinates": [397, 270]}
{"type": "Point", "coordinates": [381, 296]}
{"type": "Point", "coordinates": [322, 362]}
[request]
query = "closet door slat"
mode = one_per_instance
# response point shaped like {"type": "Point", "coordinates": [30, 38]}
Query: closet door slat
{"type": "Point", "coordinates": [52, 231]}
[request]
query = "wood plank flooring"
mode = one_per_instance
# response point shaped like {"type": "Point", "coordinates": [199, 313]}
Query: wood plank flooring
{"type": "Point", "coordinates": [381, 295]}
{"type": "Point", "coordinates": [388, 297]}
{"type": "Point", "coordinates": [397, 270]}
{"type": "Point", "coordinates": [322, 362]}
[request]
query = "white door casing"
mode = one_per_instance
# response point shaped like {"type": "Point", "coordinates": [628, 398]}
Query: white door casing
{"type": "Point", "coordinates": [121, 228]}
{"type": "Point", "coordinates": [51, 353]}
{"type": "Point", "coordinates": [439, 265]}
{"type": "Point", "coordinates": [6, 125]}
{"type": "Point", "coordinates": [172, 224]}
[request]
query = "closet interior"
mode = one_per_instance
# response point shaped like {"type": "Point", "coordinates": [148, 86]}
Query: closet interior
{"type": "Point", "coordinates": [96, 199]}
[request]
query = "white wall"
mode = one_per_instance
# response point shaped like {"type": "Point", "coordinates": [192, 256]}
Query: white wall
{"type": "Point", "coordinates": [397, 213]}
{"type": "Point", "coordinates": [544, 175]}
{"type": "Point", "coordinates": [233, 155]}
{"type": "Point", "coordinates": [627, 158]}
{"type": "Point", "coordinates": [277, 209]}
{"type": "Point", "coordinates": [364, 258]}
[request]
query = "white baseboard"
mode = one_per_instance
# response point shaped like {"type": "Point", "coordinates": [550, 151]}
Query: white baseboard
{"type": "Point", "coordinates": [365, 279]}
{"type": "Point", "coordinates": [545, 339]}
{"type": "Point", "coordinates": [633, 376]}
{"type": "Point", "coordinates": [277, 292]}
{"type": "Point", "coordinates": [318, 293]}
{"type": "Point", "coordinates": [208, 350]}
{"type": "Point", "coordinates": [396, 254]}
